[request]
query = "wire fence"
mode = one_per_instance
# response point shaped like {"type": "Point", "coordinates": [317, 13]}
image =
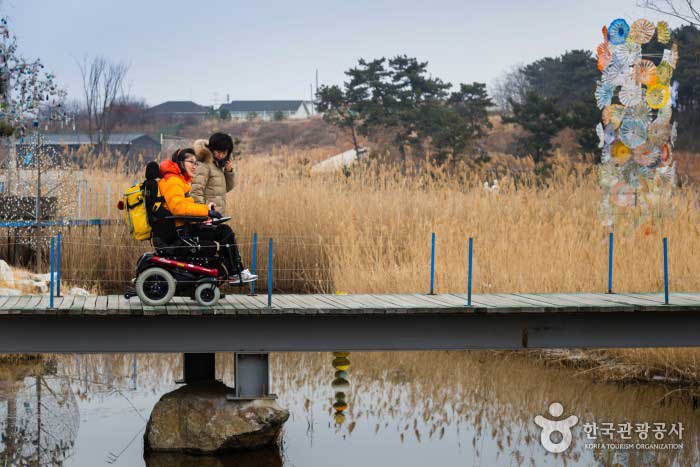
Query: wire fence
{"type": "Point", "coordinates": [291, 275]}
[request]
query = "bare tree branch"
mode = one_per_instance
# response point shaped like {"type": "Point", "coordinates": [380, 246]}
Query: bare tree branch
{"type": "Point", "coordinates": [685, 10]}
{"type": "Point", "coordinates": [103, 85]}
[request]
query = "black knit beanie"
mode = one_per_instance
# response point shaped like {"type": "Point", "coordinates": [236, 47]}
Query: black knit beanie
{"type": "Point", "coordinates": [221, 142]}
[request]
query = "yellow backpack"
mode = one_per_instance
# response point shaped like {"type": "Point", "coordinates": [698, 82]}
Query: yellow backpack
{"type": "Point", "coordinates": [136, 213]}
{"type": "Point", "coordinates": [143, 204]}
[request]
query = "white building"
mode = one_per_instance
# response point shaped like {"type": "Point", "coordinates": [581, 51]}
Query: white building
{"type": "Point", "coordinates": [269, 110]}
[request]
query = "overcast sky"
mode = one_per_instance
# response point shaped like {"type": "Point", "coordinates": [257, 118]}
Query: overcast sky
{"type": "Point", "coordinates": [203, 50]}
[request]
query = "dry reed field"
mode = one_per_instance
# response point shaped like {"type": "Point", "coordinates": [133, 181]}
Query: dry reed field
{"type": "Point", "coordinates": [368, 229]}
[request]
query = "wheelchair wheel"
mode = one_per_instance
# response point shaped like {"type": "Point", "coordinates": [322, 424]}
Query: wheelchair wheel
{"type": "Point", "coordinates": [155, 286]}
{"type": "Point", "coordinates": [207, 294]}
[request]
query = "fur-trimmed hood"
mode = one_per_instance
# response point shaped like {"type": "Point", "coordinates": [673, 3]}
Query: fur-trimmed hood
{"type": "Point", "coordinates": [202, 151]}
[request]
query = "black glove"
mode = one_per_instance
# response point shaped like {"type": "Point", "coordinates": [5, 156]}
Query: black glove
{"type": "Point", "coordinates": [214, 214]}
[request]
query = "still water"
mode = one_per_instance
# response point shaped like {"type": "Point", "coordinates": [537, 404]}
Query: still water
{"type": "Point", "coordinates": [408, 409]}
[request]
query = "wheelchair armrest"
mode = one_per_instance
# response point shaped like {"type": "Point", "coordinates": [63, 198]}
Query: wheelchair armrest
{"type": "Point", "coordinates": [187, 218]}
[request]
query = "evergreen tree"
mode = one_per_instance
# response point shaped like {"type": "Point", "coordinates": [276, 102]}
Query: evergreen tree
{"type": "Point", "coordinates": [542, 119]}
{"type": "Point", "coordinates": [398, 97]}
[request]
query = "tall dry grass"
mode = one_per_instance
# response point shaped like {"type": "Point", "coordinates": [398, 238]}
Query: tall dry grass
{"type": "Point", "coordinates": [367, 230]}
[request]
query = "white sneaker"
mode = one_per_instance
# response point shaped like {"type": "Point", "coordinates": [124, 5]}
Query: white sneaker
{"type": "Point", "coordinates": [245, 274]}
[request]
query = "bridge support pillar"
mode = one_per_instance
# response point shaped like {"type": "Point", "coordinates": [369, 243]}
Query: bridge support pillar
{"type": "Point", "coordinates": [252, 376]}
{"type": "Point", "coordinates": [198, 367]}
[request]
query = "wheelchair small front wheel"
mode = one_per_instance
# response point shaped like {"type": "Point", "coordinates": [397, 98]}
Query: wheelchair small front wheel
{"type": "Point", "coordinates": [207, 294]}
{"type": "Point", "coordinates": [155, 286]}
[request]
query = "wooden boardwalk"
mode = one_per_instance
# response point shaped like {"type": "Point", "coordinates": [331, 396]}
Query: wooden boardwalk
{"type": "Point", "coordinates": [360, 304]}
{"type": "Point", "coordinates": [241, 323]}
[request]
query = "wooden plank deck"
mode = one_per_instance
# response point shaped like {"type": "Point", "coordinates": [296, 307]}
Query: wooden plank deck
{"type": "Point", "coordinates": [324, 322]}
{"type": "Point", "coordinates": [234, 304]}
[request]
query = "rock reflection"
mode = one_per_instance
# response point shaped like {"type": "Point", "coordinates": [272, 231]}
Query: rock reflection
{"type": "Point", "coordinates": [266, 457]}
{"type": "Point", "coordinates": [340, 385]}
{"type": "Point", "coordinates": [39, 416]}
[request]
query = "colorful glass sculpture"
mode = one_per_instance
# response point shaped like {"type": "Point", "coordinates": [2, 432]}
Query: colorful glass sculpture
{"type": "Point", "coordinates": [340, 385]}
{"type": "Point", "coordinates": [608, 174]}
{"type": "Point", "coordinates": [628, 53]}
{"type": "Point", "coordinates": [617, 73]}
{"type": "Point", "coordinates": [663, 73]}
{"type": "Point", "coordinates": [630, 94]}
{"type": "Point", "coordinates": [613, 113]}
{"type": "Point", "coordinates": [620, 152]}
{"type": "Point", "coordinates": [623, 195]}
{"type": "Point", "coordinates": [647, 155]}
{"type": "Point", "coordinates": [665, 113]}
{"type": "Point", "coordinates": [618, 31]}
{"type": "Point", "coordinates": [609, 134]}
{"type": "Point", "coordinates": [633, 132]}
{"type": "Point", "coordinates": [657, 96]}
{"type": "Point", "coordinates": [604, 56]}
{"type": "Point", "coordinates": [604, 94]}
{"type": "Point", "coordinates": [645, 72]}
{"type": "Point", "coordinates": [637, 132]}
{"type": "Point", "coordinates": [642, 31]}
{"type": "Point", "coordinates": [665, 152]}
{"type": "Point", "coordinates": [659, 132]}
{"type": "Point", "coordinates": [663, 33]}
{"type": "Point", "coordinates": [600, 132]}
{"type": "Point", "coordinates": [640, 111]}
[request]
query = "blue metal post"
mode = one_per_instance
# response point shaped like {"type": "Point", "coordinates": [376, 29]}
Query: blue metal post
{"type": "Point", "coordinates": [432, 265]}
{"type": "Point", "coordinates": [610, 262]}
{"type": "Point", "coordinates": [666, 270]}
{"type": "Point", "coordinates": [254, 261]}
{"type": "Point", "coordinates": [58, 265]}
{"type": "Point", "coordinates": [269, 275]}
{"type": "Point", "coordinates": [469, 278]}
{"type": "Point", "coordinates": [51, 270]}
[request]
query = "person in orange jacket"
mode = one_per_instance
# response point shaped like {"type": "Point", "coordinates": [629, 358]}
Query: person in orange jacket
{"type": "Point", "coordinates": [175, 186]}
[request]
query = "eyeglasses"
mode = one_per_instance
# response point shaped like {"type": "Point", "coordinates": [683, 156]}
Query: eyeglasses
{"type": "Point", "coordinates": [192, 161]}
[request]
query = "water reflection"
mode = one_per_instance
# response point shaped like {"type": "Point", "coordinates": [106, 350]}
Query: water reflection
{"type": "Point", "coordinates": [463, 408]}
{"type": "Point", "coordinates": [268, 457]}
{"type": "Point", "coordinates": [39, 417]}
{"type": "Point", "coordinates": [340, 385]}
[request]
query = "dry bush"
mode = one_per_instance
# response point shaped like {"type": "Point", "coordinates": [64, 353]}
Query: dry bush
{"type": "Point", "coordinates": [265, 137]}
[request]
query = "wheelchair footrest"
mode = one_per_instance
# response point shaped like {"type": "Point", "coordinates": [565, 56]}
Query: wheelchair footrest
{"type": "Point", "coordinates": [130, 292]}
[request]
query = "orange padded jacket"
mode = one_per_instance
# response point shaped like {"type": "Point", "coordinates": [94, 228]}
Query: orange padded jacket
{"type": "Point", "coordinates": [175, 189]}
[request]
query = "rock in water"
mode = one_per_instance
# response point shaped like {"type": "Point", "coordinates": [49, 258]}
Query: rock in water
{"type": "Point", "coordinates": [6, 274]}
{"type": "Point", "coordinates": [197, 419]}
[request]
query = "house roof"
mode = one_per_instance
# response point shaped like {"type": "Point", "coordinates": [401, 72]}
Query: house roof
{"type": "Point", "coordinates": [262, 106]}
{"type": "Point", "coordinates": [77, 139]}
{"type": "Point", "coordinates": [177, 107]}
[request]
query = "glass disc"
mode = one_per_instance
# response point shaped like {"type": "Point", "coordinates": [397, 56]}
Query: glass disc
{"type": "Point", "coordinates": [642, 31]}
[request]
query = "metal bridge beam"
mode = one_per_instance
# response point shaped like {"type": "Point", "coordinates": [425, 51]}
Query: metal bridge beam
{"type": "Point", "coordinates": [353, 332]}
